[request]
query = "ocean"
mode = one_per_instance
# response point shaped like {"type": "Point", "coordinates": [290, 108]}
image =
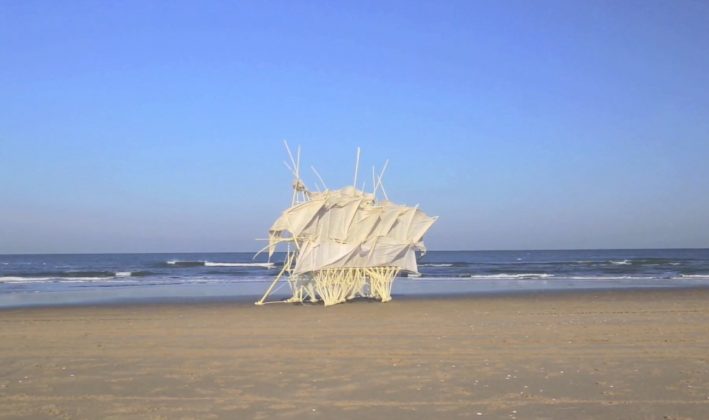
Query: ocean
{"type": "Point", "coordinates": [54, 279]}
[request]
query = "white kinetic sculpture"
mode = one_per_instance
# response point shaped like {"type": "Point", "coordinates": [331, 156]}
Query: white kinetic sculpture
{"type": "Point", "coordinates": [344, 243]}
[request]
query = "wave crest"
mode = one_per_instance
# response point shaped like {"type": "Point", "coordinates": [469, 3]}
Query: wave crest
{"type": "Point", "coordinates": [178, 263]}
{"type": "Point", "coordinates": [512, 276]}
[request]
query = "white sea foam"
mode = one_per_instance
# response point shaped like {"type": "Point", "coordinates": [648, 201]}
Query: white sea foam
{"type": "Point", "coordinates": [512, 276]}
{"type": "Point", "coordinates": [611, 278]}
{"type": "Point", "coordinates": [228, 264]}
{"type": "Point", "coordinates": [19, 279]}
{"type": "Point", "coordinates": [219, 264]}
{"type": "Point", "coordinates": [79, 279]}
{"type": "Point", "coordinates": [124, 274]}
{"type": "Point", "coordinates": [623, 262]}
{"type": "Point", "coordinates": [436, 265]}
{"type": "Point", "coordinates": [694, 276]}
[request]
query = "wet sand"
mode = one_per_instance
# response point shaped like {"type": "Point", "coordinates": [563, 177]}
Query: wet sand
{"type": "Point", "coordinates": [616, 354]}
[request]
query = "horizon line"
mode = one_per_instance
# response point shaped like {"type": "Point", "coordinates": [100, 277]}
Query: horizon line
{"type": "Point", "coordinates": [428, 251]}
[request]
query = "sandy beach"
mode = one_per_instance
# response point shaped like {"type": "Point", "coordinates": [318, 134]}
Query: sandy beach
{"type": "Point", "coordinates": [619, 354]}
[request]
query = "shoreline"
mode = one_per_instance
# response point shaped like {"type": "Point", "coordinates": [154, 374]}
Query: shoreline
{"type": "Point", "coordinates": [248, 294]}
{"type": "Point", "coordinates": [249, 300]}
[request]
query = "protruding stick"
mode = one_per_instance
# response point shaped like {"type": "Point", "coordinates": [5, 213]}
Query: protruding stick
{"type": "Point", "coordinates": [297, 168]}
{"type": "Point", "coordinates": [286, 266]}
{"type": "Point", "coordinates": [297, 164]}
{"type": "Point", "coordinates": [374, 183]}
{"type": "Point", "coordinates": [380, 184]}
{"type": "Point", "coordinates": [290, 155]}
{"type": "Point", "coordinates": [381, 174]}
{"type": "Point", "coordinates": [356, 168]}
{"type": "Point", "coordinates": [319, 177]}
{"type": "Point", "coordinates": [294, 170]}
{"type": "Point", "coordinates": [288, 167]}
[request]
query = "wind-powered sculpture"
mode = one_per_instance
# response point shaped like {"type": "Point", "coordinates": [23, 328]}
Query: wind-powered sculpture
{"type": "Point", "coordinates": [344, 243]}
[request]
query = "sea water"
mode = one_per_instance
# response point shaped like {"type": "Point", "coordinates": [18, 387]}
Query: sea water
{"type": "Point", "coordinates": [95, 278]}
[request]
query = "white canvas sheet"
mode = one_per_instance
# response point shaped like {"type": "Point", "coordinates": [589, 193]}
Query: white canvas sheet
{"type": "Point", "coordinates": [347, 228]}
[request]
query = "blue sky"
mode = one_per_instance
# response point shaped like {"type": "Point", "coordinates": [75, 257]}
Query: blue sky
{"type": "Point", "coordinates": [157, 126]}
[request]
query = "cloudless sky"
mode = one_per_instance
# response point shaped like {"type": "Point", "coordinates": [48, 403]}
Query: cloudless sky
{"type": "Point", "coordinates": [157, 126]}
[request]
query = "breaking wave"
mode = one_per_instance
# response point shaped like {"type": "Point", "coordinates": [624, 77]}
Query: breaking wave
{"type": "Point", "coordinates": [177, 263]}
{"type": "Point", "coordinates": [71, 276]}
{"type": "Point", "coordinates": [647, 261]}
{"type": "Point", "coordinates": [219, 264]}
{"type": "Point", "coordinates": [445, 264]}
{"type": "Point", "coordinates": [512, 276]}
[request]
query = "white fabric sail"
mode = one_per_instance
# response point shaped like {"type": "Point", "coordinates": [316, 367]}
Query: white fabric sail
{"type": "Point", "coordinates": [347, 228]}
